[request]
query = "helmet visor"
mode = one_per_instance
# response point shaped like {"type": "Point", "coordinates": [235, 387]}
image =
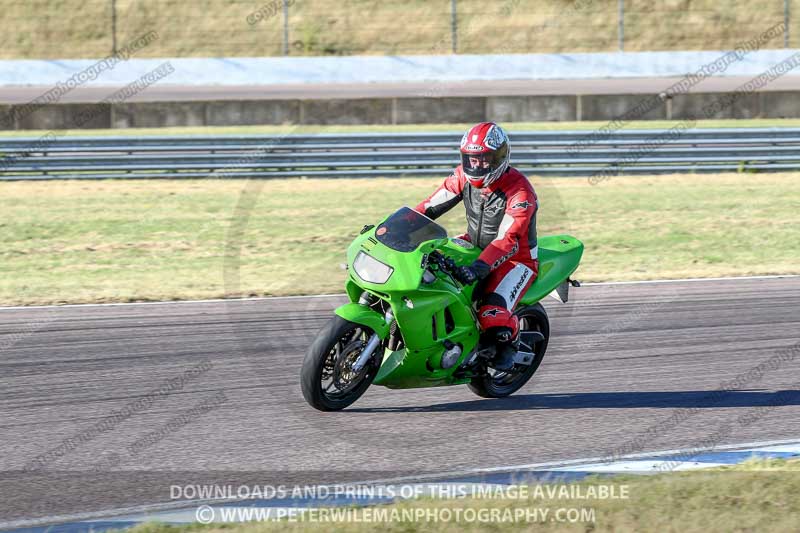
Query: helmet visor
{"type": "Point", "coordinates": [477, 165]}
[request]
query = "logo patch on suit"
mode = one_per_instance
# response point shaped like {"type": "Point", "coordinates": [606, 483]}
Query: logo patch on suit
{"type": "Point", "coordinates": [503, 259]}
{"type": "Point", "coordinates": [490, 312]}
{"type": "Point", "coordinates": [522, 205]}
{"type": "Point", "coordinates": [513, 296]}
{"type": "Point", "coordinates": [492, 210]}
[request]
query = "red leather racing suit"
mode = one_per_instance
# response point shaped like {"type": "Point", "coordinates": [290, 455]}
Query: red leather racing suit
{"type": "Point", "coordinates": [501, 220]}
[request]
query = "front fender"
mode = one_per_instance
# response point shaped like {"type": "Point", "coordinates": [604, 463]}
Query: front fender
{"type": "Point", "coordinates": [365, 316]}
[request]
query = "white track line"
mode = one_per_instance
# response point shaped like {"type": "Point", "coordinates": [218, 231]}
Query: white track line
{"type": "Point", "coordinates": [79, 517]}
{"type": "Point", "coordinates": [269, 298]}
{"type": "Point", "coordinates": [734, 278]}
{"type": "Point", "coordinates": [168, 302]}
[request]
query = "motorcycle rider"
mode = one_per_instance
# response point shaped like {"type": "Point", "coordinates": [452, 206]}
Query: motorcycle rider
{"type": "Point", "coordinates": [501, 208]}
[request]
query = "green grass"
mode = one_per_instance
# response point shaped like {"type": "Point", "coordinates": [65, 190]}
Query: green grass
{"type": "Point", "coordinates": [756, 496]}
{"type": "Point", "coordinates": [219, 28]}
{"type": "Point", "coordinates": [409, 128]}
{"type": "Point", "coordinates": [112, 241]}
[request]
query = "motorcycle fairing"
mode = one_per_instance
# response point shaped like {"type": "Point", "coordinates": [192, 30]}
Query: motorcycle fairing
{"type": "Point", "coordinates": [428, 314]}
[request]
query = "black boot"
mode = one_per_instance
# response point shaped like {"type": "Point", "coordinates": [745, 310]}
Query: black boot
{"type": "Point", "coordinates": [507, 348]}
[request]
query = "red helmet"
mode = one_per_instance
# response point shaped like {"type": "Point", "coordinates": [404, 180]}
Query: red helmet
{"type": "Point", "coordinates": [484, 153]}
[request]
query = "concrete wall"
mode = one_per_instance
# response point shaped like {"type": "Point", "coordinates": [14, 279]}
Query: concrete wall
{"type": "Point", "coordinates": [249, 71]}
{"type": "Point", "coordinates": [774, 104]}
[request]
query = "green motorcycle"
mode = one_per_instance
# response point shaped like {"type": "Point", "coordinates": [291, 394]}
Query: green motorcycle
{"type": "Point", "coordinates": [410, 323]}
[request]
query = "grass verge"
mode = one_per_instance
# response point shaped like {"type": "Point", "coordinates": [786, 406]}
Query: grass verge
{"type": "Point", "coordinates": [112, 241]}
{"type": "Point", "coordinates": [754, 496]}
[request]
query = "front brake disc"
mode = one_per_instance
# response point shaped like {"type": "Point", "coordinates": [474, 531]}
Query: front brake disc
{"type": "Point", "coordinates": [344, 379]}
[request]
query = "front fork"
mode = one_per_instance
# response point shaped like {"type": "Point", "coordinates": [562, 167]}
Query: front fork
{"type": "Point", "coordinates": [375, 340]}
{"type": "Point", "coordinates": [372, 344]}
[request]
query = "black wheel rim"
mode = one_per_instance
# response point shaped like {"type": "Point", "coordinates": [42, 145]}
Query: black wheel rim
{"type": "Point", "coordinates": [338, 379]}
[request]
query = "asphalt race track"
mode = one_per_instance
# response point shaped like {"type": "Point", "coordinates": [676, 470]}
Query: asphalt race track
{"type": "Point", "coordinates": [630, 368]}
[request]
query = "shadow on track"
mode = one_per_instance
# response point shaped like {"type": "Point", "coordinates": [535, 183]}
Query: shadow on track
{"type": "Point", "coordinates": [610, 400]}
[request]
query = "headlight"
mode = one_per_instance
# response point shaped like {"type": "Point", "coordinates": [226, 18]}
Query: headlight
{"type": "Point", "coordinates": [370, 269]}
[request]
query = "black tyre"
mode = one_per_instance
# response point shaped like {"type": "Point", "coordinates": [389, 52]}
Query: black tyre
{"type": "Point", "coordinates": [327, 378]}
{"type": "Point", "coordinates": [496, 384]}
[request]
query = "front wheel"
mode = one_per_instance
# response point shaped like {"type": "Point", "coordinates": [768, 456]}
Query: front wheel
{"type": "Point", "coordinates": [327, 378]}
{"type": "Point", "coordinates": [498, 384]}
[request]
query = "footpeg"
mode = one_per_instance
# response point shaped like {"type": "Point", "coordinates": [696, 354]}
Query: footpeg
{"type": "Point", "coordinates": [523, 357]}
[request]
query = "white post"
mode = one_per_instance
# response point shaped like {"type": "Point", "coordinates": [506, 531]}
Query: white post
{"type": "Point", "coordinates": [286, 27]}
{"type": "Point", "coordinates": [454, 25]}
{"type": "Point", "coordinates": [786, 23]}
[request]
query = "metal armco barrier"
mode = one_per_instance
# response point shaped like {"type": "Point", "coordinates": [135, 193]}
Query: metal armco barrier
{"type": "Point", "coordinates": [546, 153]}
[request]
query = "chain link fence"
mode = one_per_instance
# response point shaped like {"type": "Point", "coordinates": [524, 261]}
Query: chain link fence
{"type": "Point", "coordinates": [48, 29]}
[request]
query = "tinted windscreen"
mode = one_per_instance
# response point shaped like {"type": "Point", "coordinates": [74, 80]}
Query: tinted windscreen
{"type": "Point", "coordinates": [407, 229]}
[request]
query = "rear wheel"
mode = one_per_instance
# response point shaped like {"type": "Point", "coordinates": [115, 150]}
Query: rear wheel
{"type": "Point", "coordinates": [328, 379]}
{"type": "Point", "coordinates": [497, 384]}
